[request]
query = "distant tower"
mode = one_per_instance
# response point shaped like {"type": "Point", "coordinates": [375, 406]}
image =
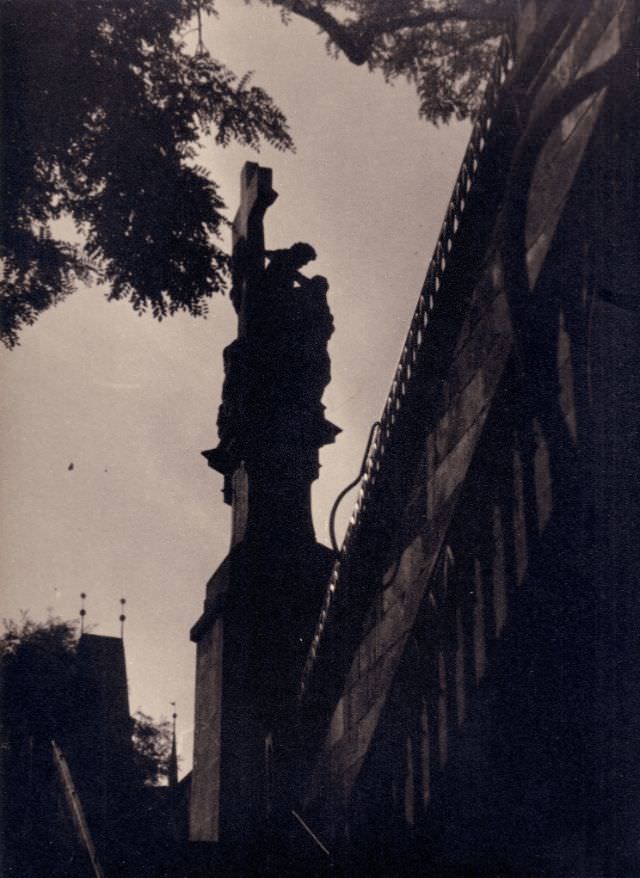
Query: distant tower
{"type": "Point", "coordinates": [263, 600]}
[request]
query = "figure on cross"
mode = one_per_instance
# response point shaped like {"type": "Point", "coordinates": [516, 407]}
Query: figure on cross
{"type": "Point", "coordinates": [284, 266]}
{"type": "Point", "coordinates": [278, 367]}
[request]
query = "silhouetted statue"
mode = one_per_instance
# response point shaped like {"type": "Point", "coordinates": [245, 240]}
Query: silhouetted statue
{"type": "Point", "coordinates": [276, 374]}
{"type": "Point", "coordinates": [263, 601]}
{"type": "Point", "coordinates": [284, 266]}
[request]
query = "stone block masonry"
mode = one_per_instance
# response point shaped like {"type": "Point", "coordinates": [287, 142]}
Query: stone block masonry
{"type": "Point", "coordinates": [477, 640]}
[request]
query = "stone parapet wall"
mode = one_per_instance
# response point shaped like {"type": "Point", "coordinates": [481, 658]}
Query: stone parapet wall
{"type": "Point", "coordinates": [458, 666]}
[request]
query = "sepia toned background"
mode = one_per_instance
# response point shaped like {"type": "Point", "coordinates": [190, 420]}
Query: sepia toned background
{"type": "Point", "coordinates": [130, 403]}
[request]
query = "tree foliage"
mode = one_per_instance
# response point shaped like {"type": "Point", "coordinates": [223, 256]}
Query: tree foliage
{"type": "Point", "coordinates": [152, 745]}
{"type": "Point", "coordinates": [39, 678]}
{"type": "Point", "coordinates": [102, 110]}
{"type": "Point", "coordinates": [46, 689]}
{"type": "Point", "coordinates": [42, 693]}
{"type": "Point", "coordinates": [443, 47]}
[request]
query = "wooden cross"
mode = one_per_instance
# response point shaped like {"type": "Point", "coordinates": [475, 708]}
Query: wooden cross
{"type": "Point", "coordinates": [256, 195]}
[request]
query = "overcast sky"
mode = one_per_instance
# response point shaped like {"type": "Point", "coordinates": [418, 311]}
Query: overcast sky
{"type": "Point", "coordinates": [131, 403]}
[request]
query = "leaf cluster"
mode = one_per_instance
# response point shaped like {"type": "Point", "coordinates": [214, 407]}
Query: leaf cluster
{"type": "Point", "coordinates": [152, 742]}
{"type": "Point", "coordinates": [448, 64]}
{"type": "Point", "coordinates": [39, 678]}
{"type": "Point", "coordinates": [103, 108]}
{"type": "Point", "coordinates": [443, 47]}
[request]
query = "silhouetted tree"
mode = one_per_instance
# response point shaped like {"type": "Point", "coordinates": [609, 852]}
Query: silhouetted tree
{"type": "Point", "coordinates": [152, 746]}
{"type": "Point", "coordinates": [39, 675]}
{"type": "Point", "coordinates": [102, 111]}
{"type": "Point", "coordinates": [444, 48]}
{"type": "Point", "coordinates": [43, 690]}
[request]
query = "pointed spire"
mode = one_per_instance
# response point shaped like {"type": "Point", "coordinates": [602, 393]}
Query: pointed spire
{"type": "Point", "coordinates": [83, 612]}
{"type": "Point", "coordinates": [122, 618]}
{"type": "Point", "coordinates": [172, 768]}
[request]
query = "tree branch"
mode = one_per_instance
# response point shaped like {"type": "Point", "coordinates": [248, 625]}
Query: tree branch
{"type": "Point", "coordinates": [356, 49]}
{"type": "Point", "coordinates": [356, 41]}
{"type": "Point", "coordinates": [391, 24]}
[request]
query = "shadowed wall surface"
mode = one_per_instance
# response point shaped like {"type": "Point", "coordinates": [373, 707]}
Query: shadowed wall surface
{"type": "Point", "coordinates": [472, 691]}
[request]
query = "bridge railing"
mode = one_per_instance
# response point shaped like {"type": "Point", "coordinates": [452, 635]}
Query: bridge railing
{"type": "Point", "coordinates": [384, 436]}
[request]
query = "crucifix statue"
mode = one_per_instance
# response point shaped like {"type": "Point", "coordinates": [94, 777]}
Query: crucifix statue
{"type": "Point", "coordinates": [271, 421]}
{"type": "Point", "coordinates": [256, 196]}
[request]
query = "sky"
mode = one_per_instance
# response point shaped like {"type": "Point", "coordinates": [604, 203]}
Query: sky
{"type": "Point", "coordinates": [131, 403]}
